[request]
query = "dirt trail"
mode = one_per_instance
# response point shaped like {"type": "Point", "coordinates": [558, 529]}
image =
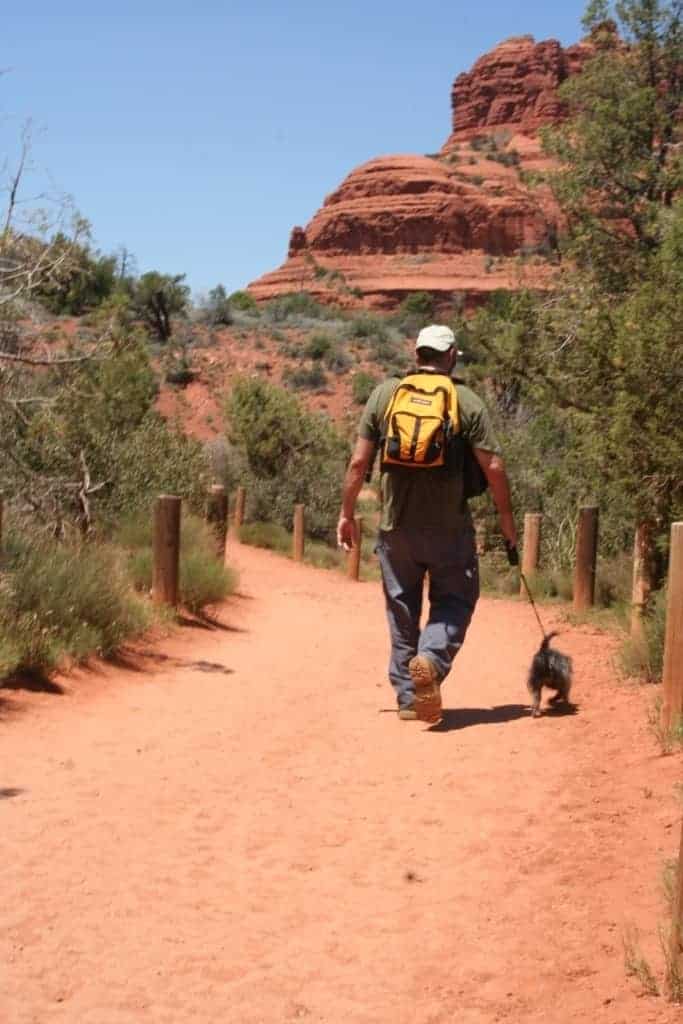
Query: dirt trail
{"type": "Point", "coordinates": [237, 828]}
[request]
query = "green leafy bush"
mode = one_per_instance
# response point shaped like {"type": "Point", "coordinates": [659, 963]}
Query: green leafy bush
{"type": "Point", "coordinates": [157, 298]}
{"type": "Point", "coordinates": [297, 305]}
{"type": "Point", "coordinates": [362, 386]}
{"type": "Point", "coordinates": [337, 360]}
{"type": "Point", "coordinates": [306, 378]}
{"type": "Point", "coordinates": [62, 602]}
{"type": "Point", "coordinates": [290, 455]}
{"type": "Point", "coordinates": [244, 302]}
{"type": "Point", "coordinates": [203, 579]}
{"type": "Point", "coordinates": [643, 656]}
{"type": "Point", "coordinates": [218, 307]}
{"type": "Point", "coordinates": [274, 537]}
{"type": "Point", "coordinates": [368, 326]}
{"type": "Point", "coordinates": [318, 346]}
{"type": "Point", "coordinates": [82, 279]}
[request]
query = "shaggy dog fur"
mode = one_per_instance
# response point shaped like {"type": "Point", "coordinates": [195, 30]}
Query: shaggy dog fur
{"type": "Point", "coordinates": [552, 669]}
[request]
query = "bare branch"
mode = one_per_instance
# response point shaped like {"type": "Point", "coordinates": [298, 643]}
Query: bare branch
{"type": "Point", "coordinates": [16, 178]}
{"type": "Point", "coordinates": [51, 360]}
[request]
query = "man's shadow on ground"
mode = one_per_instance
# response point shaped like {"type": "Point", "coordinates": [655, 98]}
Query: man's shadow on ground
{"type": "Point", "coordinates": [463, 718]}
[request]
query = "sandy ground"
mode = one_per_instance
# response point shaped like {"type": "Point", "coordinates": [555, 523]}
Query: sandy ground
{"type": "Point", "coordinates": [234, 826]}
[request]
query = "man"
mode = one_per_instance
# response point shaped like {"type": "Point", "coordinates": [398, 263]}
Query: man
{"type": "Point", "coordinates": [425, 527]}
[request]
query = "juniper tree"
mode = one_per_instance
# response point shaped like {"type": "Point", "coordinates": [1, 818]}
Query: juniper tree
{"type": "Point", "coordinates": [603, 352]}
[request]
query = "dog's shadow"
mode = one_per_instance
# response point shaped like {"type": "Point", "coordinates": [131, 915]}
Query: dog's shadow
{"type": "Point", "coordinates": [463, 718]}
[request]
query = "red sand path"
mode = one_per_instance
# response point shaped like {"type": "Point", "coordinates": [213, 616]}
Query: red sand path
{"type": "Point", "coordinates": [234, 829]}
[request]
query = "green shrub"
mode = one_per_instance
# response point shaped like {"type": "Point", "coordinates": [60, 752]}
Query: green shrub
{"type": "Point", "coordinates": [362, 386]}
{"type": "Point", "coordinates": [290, 456]}
{"type": "Point", "coordinates": [266, 535]}
{"type": "Point", "coordinates": [318, 346]}
{"type": "Point", "coordinates": [63, 602]}
{"type": "Point", "coordinates": [296, 304]}
{"type": "Point", "coordinates": [203, 579]}
{"type": "Point", "coordinates": [218, 307]}
{"type": "Point", "coordinates": [418, 304]}
{"type": "Point", "coordinates": [243, 301]}
{"type": "Point", "coordinates": [337, 360]}
{"type": "Point", "coordinates": [643, 656]}
{"type": "Point", "coordinates": [277, 538]}
{"type": "Point", "coordinates": [305, 379]}
{"type": "Point", "coordinates": [180, 372]}
{"type": "Point", "coordinates": [368, 326]}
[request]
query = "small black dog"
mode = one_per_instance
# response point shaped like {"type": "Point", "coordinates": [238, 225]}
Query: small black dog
{"type": "Point", "coordinates": [552, 669]}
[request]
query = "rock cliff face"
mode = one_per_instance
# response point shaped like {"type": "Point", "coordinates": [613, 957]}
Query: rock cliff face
{"type": "Point", "coordinates": [514, 86]}
{"type": "Point", "coordinates": [464, 220]}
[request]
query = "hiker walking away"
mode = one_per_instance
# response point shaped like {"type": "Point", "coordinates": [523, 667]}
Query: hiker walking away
{"type": "Point", "coordinates": [422, 426]}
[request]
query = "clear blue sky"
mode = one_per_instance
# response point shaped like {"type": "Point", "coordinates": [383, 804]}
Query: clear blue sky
{"type": "Point", "coordinates": [197, 136]}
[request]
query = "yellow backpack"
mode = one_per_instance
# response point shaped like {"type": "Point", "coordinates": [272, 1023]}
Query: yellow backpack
{"type": "Point", "coordinates": [421, 417]}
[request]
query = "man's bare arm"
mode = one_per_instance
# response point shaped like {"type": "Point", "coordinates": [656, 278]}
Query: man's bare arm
{"type": "Point", "coordinates": [353, 481]}
{"type": "Point", "coordinates": [494, 471]}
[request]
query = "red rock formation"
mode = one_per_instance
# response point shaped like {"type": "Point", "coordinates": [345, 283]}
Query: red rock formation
{"type": "Point", "coordinates": [461, 211]}
{"type": "Point", "coordinates": [514, 86]}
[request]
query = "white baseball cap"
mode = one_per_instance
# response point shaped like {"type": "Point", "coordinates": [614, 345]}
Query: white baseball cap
{"type": "Point", "coordinates": [437, 337]}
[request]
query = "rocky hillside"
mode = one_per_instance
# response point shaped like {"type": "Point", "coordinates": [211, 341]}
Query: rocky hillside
{"type": "Point", "coordinates": [470, 219]}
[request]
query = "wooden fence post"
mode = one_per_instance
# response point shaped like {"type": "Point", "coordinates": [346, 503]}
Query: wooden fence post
{"type": "Point", "coordinates": [298, 538]}
{"type": "Point", "coordinates": [640, 592]}
{"type": "Point", "coordinates": [531, 546]}
{"type": "Point", "coordinates": [353, 565]}
{"type": "Point", "coordinates": [217, 515]}
{"type": "Point", "coordinates": [672, 674]}
{"type": "Point", "coordinates": [586, 554]}
{"type": "Point", "coordinates": [240, 498]}
{"type": "Point", "coordinates": [166, 549]}
{"type": "Point", "coordinates": [676, 940]}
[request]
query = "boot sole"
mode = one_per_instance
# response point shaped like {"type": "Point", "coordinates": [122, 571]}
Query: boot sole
{"type": "Point", "coordinates": [427, 702]}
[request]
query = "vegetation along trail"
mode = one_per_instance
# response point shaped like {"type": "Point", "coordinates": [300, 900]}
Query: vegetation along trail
{"type": "Point", "coordinates": [234, 826]}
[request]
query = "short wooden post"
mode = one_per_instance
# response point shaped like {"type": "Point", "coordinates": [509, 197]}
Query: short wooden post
{"type": "Point", "coordinates": [298, 538]}
{"type": "Point", "coordinates": [353, 565]}
{"type": "Point", "coordinates": [166, 549]}
{"type": "Point", "coordinates": [240, 498]}
{"type": "Point", "coordinates": [586, 555]}
{"type": "Point", "coordinates": [217, 515]}
{"type": "Point", "coordinates": [531, 546]}
{"type": "Point", "coordinates": [672, 673]}
{"type": "Point", "coordinates": [642, 577]}
{"type": "Point", "coordinates": [676, 940]}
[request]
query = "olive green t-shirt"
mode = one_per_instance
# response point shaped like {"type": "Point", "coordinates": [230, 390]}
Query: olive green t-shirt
{"type": "Point", "coordinates": [426, 498]}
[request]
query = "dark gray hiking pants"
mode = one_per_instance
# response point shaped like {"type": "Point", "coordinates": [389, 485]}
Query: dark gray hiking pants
{"type": "Point", "coordinates": [450, 559]}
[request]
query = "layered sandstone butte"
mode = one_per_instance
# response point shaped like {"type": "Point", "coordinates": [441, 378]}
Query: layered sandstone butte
{"type": "Point", "coordinates": [464, 220]}
{"type": "Point", "coordinates": [514, 86]}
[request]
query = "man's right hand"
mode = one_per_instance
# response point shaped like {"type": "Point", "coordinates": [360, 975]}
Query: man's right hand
{"type": "Point", "coordinates": [346, 533]}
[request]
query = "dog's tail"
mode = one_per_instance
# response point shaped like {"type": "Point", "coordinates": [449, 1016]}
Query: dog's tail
{"type": "Point", "coordinates": [547, 638]}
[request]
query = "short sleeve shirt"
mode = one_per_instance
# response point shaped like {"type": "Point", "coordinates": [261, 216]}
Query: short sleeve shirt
{"type": "Point", "coordinates": [424, 498]}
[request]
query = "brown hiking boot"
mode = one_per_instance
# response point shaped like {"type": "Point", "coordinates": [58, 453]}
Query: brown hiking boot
{"type": "Point", "coordinates": [427, 692]}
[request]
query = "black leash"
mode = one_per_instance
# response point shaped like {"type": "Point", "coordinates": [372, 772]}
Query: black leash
{"type": "Point", "coordinates": [513, 559]}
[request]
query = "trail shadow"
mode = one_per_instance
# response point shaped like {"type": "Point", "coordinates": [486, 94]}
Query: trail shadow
{"type": "Point", "coordinates": [139, 661]}
{"type": "Point", "coordinates": [207, 622]}
{"type": "Point", "coordinates": [7, 792]}
{"type": "Point", "coordinates": [33, 682]}
{"type": "Point", "coordinates": [464, 718]}
{"type": "Point", "coordinates": [125, 658]}
{"type": "Point", "coordinates": [560, 710]}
